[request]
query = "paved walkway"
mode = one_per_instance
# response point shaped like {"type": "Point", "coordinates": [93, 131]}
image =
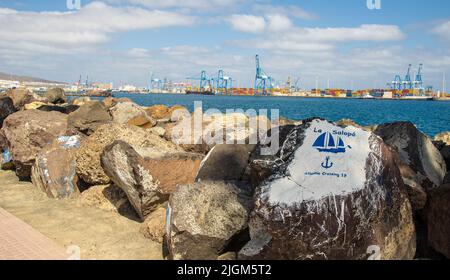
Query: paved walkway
{"type": "Point", "coordinates": [19, 241]}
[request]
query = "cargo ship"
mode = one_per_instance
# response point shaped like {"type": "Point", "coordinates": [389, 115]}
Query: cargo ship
{"type": "Point", "coordinates": [207, 92]}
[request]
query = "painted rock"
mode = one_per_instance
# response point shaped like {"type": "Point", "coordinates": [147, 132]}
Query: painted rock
{"type": "Point", "coordinates": [206, 220]}
{"type": "Point", "coordinates": [330, 193]}
{"type": "Point", "coordinates": [148, 180]}
{"type": "Point", "coordinates": [427, 167]}
{"type": "Point", "coordinates": [54, 171]}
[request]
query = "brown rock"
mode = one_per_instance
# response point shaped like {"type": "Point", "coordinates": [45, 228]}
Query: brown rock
{"type": "Point", "coordinates": [438, 220]}
{"type": "Point", "coordinates": [148, 181]}
{"type": "Point", "coordinates": [154, 227]}
{"type": "Point", "coordinates": [27, 132]}
{"type": "Point", "coordinates": [88, 157]}
{"type": "Point", "coordinates": [89, 117]}
{"type": "Point", "coordinates": [54, 171]}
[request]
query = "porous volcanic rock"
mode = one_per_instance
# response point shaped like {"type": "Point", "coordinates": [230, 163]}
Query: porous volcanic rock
{"type": "Point", "coordinates": [27, 132]}
{"type": "Point", "coordinates": [416, 150]}
{"type": "Point", "coordinates": [55, 96]}
{"type": "Point", "coordinates": [148, 181]}
{"type": "Point", "coordinates": [89, 117]}
{"type": "Point", "coordinates": [206, 220]}
{"type": "Point", "coordinates": [329, 193]}
{"type": "Point", "coordinates": [88, 157]}
{"type": "Point", "coordinates": [6, 108]}
{"type": "Point", "coordinates": [54, 171]}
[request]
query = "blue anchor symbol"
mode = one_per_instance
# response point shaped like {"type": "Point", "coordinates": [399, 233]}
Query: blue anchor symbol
{"type": "Point", "coordinates": [327, 164]}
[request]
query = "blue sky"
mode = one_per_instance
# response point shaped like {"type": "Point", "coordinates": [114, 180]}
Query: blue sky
{"type": "Point", "coordinates": [124, 41]}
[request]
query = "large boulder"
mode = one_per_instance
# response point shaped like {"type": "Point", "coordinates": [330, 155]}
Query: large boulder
{"type": "Point", "coordinates": [55, 96]}
{"type": "Point", "coordinates": [438, 220]}
{"type": "Point", "coordinates": [425, 166]}
{"type": "Point", "coordinates": [225, 163]}
{"type": "Point", "coordinates": [6, 108]}
{"type": "Point", "coordinates": [329, 193]}
{"type": "Point", "coordinates": [129, 112]}
{"type": "Point", "coordinates": [27, 132]}
{"type": "Point", "coordinates": [88, 157]}
{"type": "Point", "coordinates": [148, 181]}
{"type": "Point", "coordinates": [21, 97]}
{"type": "Point", "coordinates": [206, 220]}
{"type": "Point", "coordinates": [89, 117]}
{"type": "Point", "coordinates": [54, 171]}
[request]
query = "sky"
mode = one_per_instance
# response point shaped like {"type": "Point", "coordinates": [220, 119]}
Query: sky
{"type": "Point", "coordinates": [342, 43]}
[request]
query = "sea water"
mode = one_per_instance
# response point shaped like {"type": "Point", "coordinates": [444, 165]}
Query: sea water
{"type": "Point", "coordinates": [431, 117]}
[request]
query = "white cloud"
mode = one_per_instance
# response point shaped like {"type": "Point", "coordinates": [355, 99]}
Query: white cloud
{"type": "Point", "coordinates": [278, 22]}
{"type": "Point", "coordinates": [291, 10]}
{"type": "Point", "coordinates": [247, 23]}
{"type": "Point", "coordinates": [67, 32]}
{"type": "Point", "coordinates": [181, 4]}
{"type": "Point", "coordinates": [442, 30]}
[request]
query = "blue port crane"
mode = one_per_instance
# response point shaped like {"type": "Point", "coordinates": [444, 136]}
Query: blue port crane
{"type": "Point", "coordinates": [397, 83]}
{"type": "Point", "coordinates": [223, 84]}
{"type": "Point", "coordinates": [407, 83]}
{"type": "Point", "coordinates": [205, 82]}
{"type": "Point", "coordinates": [156, 84]}
{"type": "Point", "coordinates": [263, 82]}
{"type": "Point", "coordinates": [418, 82]}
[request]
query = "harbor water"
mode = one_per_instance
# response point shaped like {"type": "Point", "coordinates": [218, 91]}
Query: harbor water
{"type": "Point", "coordinates": [431, 117]}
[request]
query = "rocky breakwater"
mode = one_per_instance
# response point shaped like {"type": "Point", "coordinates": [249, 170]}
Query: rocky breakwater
{"type": "Point", "coordinates": [327, 192]}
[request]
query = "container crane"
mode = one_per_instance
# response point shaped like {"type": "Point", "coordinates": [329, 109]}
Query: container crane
{"type": "Point", "coordinates": [418, 82]}
{"type": "Point", "coordinates": [223, 84]}
{"type": "Point", "coordinates": [407, 84]}
{"type": "Point", "coordinates": [397, 83]}
{"type": "Point", "coordinates": [205, 82]}
{"type": "Point", "coordinates": [156, 84]}
{"type": "Point", "coordinates": [263, 82]}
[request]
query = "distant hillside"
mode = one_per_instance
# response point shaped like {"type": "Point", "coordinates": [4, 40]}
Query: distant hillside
{"type": "Point", "coordinates": [4, 76]}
